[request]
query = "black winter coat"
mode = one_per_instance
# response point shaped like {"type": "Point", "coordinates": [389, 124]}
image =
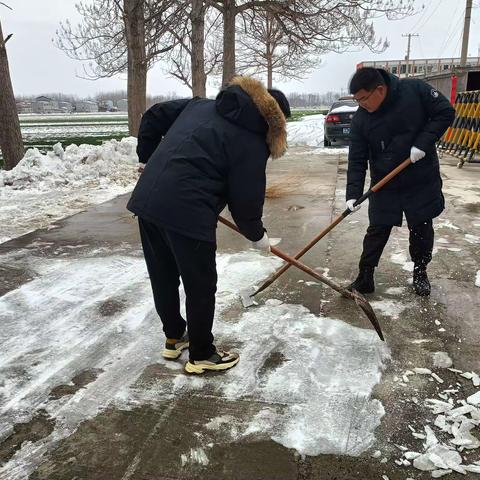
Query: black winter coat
{"type": "Point", "coordinates": [202, 155]}
{"type": "Point", "coordinates": [412, 114]}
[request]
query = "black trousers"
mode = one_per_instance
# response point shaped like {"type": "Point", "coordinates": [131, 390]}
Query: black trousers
{"type": "Point", "coordinates": [169, 257]}
{"type": "Point", "coordinates": [421, 243]}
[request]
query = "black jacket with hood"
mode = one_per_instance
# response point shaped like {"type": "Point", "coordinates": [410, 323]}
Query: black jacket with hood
{"type": "Point", "coordinates": [412, 114]}
{"type": "Point", "coordinates": [202, 155]}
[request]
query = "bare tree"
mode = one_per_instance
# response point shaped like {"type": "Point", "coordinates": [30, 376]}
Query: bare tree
{"type": "Point", "coordinates": [11, 143]}
{"type": "Point", "coordinates": [198, 51]}
{"type": "Point", "coordinates": [311, 21]}
{"type": "Point", "coordinates": [118, 36]}
{"type": "Point", "coordinates": [263, 48]}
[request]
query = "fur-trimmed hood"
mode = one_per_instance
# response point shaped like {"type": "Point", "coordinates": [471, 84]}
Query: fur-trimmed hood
{"type": "Point", "coordinates": [247, 102]}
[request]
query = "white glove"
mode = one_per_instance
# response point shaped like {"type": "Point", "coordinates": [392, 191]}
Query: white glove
{"type": "Point", "coordinates": [350, 205]}
{"type": "Point", "coordinates": [263, 244]}
{"type": "Point", "coordinates": [416, 154]}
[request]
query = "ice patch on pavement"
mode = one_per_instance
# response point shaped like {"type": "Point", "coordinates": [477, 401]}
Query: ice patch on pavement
{"type": "Point", "coordinates": [390, 308]}
{"type": "Point", "coordinates": [447, 224]}
{"type": "Point", "coordinates": [400, 258]}
{"type": "Point", "coordinates": [441, 360]}
{"type": "Point", "coordinates": [53, 329]}
{"type": "Point", "coordinates": [196, 455]}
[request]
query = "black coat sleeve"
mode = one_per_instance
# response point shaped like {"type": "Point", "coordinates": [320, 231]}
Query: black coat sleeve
{"type": "Point", "coordinates": [155, 124]}
{"type": "Point", "coordinates": [440, 115]}
{"type": "Point", "coordinates": [358, 156]}
{"type": "Point", "coordinates": [246, 194]}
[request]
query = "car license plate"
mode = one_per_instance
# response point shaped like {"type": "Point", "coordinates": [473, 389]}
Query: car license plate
{"type": "Point", "coordinates": [346, 131]}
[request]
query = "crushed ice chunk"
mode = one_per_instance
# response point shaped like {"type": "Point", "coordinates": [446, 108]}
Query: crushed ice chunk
{"type": "Point", "coordinates": [437, 406]}
{"type": "Point", "coordinates": [472, 468]}
{"type": "Point", "coordinates": [436, 377]}
{"type": "Point", "coordinates": [411, 455]}
{"type": "Point", "coordinates": [474, 399]}
{"type": "Point", "coordinates": [440, 473]}
{"type": "Point", "coordinates": [377, 454]}
{"type": "Point", "coordinates": [422, 371]}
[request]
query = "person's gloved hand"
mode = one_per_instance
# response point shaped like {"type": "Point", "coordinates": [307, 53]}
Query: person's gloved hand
{"type": "Point", "coordinates": [263, 244]}
{"type": "Point", "coordinates": [141, 167]}
{"type": "Point", "coordinates": [350, 205]}
{"type": "Point", "coordinates": [416, 154]}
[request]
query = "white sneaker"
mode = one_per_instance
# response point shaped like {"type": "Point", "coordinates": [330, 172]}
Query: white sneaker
{"type": "Point", "coordinates": [174, 350]}
{"type": "Point", "coordinates": [218, 361]}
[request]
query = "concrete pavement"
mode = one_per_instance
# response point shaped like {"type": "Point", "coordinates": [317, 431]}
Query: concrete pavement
{"type": "Point", "coordinates": [156, 440]}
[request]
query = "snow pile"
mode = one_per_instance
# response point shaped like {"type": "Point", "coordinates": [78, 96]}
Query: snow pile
{"type": "Point", "coordinates": [306, 131]}
{"type": "Point", "coordinates": [455, 420]}
{"type": "Point", "coordinates": [76, 166]}
{"type": "Point", "coordinates": [477, 279]}
{"type": "Point", "coordinates": [44, 188]}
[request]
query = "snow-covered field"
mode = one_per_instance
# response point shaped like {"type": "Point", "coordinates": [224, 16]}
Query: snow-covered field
{"type": "Point", "coordinates": [42, 189]}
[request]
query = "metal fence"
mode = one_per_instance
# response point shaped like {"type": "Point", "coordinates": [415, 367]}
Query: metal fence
{"type": "Point", "coordinates": [462, 139]}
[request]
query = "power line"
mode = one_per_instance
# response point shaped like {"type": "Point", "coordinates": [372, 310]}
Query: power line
{"type": "Point", "coordinates": [429, 17]}
{"type": "Point", "coordinates": [449, 37]}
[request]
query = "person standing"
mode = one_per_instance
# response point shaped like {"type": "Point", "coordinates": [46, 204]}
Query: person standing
{"type": "Point", "coordinates": [396, 119]}
{"type": "Point", "coordinates": [201, 155]}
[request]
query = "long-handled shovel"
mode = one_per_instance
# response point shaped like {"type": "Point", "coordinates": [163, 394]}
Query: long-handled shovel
{"type": "Point", "coordinates": [345, 214]}
{"type": "Point", "coordinates": [359, 299]}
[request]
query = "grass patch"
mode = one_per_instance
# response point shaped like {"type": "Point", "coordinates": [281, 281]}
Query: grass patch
{"type": "Point", "coordinates": [298, 114]}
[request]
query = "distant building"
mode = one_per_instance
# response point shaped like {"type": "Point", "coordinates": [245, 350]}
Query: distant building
{"type": "Point", "coordinates": [444, 74]}
{"type": "Point", "coordinates": [25, 107]}
{"type": "Point", "coordinates": [65, 107]}
{"type": "Point", "coordinates": [420, 67]}
{"type": "Point", "coordinates": [122, 105]}
{"type": "Point", "coordinates": [83, 106]}
{"type": "Point", "coordinates": [44, 104]}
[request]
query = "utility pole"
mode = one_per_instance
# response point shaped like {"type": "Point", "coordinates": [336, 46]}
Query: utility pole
{"type": "Point", "coordinates": [466, 33]}
{"type": "Point", "coordinates": [407, 56]}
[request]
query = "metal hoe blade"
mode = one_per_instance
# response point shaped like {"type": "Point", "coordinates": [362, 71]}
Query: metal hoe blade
{"type": "Point", "coordinates": [367, 309]}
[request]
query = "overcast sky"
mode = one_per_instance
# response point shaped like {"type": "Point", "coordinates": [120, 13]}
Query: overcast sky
{"type": "Point", "coordinates": [37, 66]}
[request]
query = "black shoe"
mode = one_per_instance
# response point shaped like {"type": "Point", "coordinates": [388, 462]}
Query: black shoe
{"type": "Point", "coordinates": [421, 284]}
{"type": "Point", "coordinates": [364, 282]}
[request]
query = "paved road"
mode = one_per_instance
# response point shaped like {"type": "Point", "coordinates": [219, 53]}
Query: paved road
{"type": "Point", "coordinates": [85, 394]}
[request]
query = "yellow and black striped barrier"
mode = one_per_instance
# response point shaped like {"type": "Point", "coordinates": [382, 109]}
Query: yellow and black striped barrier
{"type": "Point", "coordinates": [462, 139]}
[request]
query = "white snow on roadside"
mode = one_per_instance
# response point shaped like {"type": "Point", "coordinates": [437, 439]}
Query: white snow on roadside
{"type": "Point", "coordinates": [44, 188]}
{"type": "Point", "coordinates": [308, 131]}
{"type": "Point", "coordinates": [53, 329]}
{"type": "Point", "coordinates": [477, 279]}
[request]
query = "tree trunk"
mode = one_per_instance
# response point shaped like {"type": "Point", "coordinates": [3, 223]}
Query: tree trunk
{"type": "Point", "coordinates": [229, 14]}
{"type": "Point", "coordinates": [11, 143]}
{"type": "Point", "coordinates": [134, 19]}
{"type": "Point", "coordinates": [269, 66]}
{"type": "Point", "coordinates": [199, 79]}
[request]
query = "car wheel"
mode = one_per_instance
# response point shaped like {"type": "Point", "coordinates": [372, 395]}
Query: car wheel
{"type": "Point", "coordinates": [326, 143]}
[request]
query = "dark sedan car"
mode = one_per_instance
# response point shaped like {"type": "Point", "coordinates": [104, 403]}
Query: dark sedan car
{"type": "Point", "coordinates": [338, 120]}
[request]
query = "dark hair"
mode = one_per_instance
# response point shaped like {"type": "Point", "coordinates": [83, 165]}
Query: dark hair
{"type": "Point", "coordinates": [281, 100]}
{"type": "Point", "coordinates": [367, 78]}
